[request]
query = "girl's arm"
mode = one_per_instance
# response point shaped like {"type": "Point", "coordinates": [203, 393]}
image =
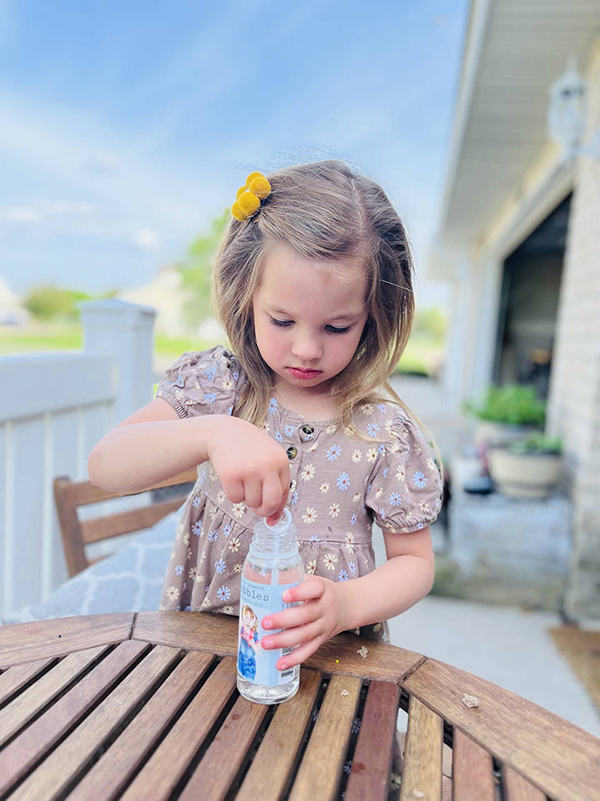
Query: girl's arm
{"type": "Point", "coordinates": [149, 447]}
{"type": "Point", "coordinates": [154, 444]}
{"type": "Point", "coordinates": [391, 589]}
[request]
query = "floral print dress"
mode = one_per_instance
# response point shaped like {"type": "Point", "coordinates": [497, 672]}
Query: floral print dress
{"type": "Point", "coordinates": [340, 484]}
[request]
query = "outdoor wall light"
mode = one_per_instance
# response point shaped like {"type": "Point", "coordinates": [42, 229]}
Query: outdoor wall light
{"type": "Point", "coordinates": [567, 115]}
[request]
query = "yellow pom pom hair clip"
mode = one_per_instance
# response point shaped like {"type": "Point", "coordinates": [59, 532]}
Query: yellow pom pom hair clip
{"type": "Point", "coordinates": [247, 201]}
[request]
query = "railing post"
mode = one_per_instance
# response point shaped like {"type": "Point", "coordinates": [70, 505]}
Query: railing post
{"type": "Point", "coordinates": [124, 331]}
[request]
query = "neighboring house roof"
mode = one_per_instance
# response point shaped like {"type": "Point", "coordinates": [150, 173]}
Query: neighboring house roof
{"type": "Point", "coordinates": [514, 50]}
{"type": "Point", "coordinates": [8, 298]}
{"type": "Point", "coordinates": [11, 311]}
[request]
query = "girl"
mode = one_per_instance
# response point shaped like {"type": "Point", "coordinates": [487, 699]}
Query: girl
{"type": "Point", "coordinates": [313, 286]}
{"type": "Point", "coordinates": [248, 643]}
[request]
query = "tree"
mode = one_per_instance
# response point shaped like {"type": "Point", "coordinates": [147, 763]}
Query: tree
{"type": "Point", "coordinates": [196, 271]}
{"type": "Point", "coordinates": [49, 302]}
{"type": "Point", "coordinates": [430, 322]}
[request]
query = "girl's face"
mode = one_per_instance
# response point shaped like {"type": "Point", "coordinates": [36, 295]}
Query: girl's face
{"type": "Point", "coordinates": [248, 619]}
{"type": "Point", "coordinates": [308, 315]}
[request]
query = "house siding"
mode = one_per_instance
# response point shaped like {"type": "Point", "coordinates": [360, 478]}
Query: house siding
{"type": "Point", "coordinates": [574, 403]}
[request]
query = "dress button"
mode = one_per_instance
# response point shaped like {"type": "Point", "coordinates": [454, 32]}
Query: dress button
{"type": "Point", "coordinates": [292, 452]}
{"type": "Point", "coordinates": [307, 429]}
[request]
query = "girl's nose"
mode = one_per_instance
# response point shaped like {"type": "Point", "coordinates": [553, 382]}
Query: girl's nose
{"type": "Point", "coordinates": [306, 350]}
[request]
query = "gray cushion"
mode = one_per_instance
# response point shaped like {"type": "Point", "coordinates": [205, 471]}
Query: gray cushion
{"type": "Point", "coordinates": [129, 580]}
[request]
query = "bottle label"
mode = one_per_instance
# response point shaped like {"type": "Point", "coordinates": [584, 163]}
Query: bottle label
{"type": "Point", "coordinates": [254, 663]}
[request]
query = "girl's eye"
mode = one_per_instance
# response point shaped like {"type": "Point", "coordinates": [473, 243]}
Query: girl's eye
{"type": "Point", "coordinates": [331, 329]}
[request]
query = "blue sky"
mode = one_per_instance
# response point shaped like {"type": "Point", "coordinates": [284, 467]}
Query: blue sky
{"type": "Point", "coordinates": [125, 127]}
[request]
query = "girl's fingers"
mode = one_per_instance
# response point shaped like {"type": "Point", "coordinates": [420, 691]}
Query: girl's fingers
{"type": "Point", "coordinates": [295, 636]}
{"type": "Point", "coordinates": [310, 588]}
{"type": "Point", "coordinates": [271, 496]}
{"type": "Point", "coordinates": [283, 486]}
{"type": "Point", "coordinates": [252, 493]}
{"type": "Point", "coordinates": [290, 618]}
{"type": "Point", "coordinates": [284, 480]}
{"type": "Point", "coordinates": [300, 654]}
{"type": "Point", "coordinates": [234, 491]}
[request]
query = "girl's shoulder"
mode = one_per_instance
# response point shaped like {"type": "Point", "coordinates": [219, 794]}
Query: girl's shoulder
{"type": "Point", "coordinates": [209, 362]}
{"type": "Point", "coordinates": [388, 420]}
{"type": "Point", "coordinates": [202, 382]}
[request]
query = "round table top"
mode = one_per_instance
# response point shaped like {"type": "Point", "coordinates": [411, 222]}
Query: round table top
{"type": "Point", "coordinates": [145, 706]}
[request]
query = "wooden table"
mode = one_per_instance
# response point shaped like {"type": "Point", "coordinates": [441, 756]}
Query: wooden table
{"type": "Point", "coordinates": [144, 706]}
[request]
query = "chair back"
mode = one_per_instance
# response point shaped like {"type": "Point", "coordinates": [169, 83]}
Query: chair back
{"type": "Point", "coordinates": [76, 534]}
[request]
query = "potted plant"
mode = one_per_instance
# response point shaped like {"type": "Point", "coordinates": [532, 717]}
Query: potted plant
{"type": "Point", "coordinates": [508, 413]}
{"type": "Point", "coordinates": [526, 468]}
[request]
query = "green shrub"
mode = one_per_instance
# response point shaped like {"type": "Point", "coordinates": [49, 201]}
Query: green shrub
{"type": "Point", "coordinates": [513, 403]}
{"type": "Point", "coordinates": [538, 443]}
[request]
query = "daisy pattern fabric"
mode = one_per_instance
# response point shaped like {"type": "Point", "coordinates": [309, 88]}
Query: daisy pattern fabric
{"type": "Point", "coordinates": [340, 484]}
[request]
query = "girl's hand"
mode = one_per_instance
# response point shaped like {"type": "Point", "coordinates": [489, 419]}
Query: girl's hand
{"type": "Point", "coordinates": [308, 625]}
{"type": "Point", "coordinates": [252, 467]}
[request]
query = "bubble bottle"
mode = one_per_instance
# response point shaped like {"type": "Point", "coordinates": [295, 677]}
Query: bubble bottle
{"type": "Point", "coordinates": [272, 566]}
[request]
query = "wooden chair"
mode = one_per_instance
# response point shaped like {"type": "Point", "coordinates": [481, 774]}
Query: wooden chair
{"type": "Point", "coordinates": [76, 534]}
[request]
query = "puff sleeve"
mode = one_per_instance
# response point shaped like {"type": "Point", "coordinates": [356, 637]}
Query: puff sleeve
{"type": "Point", "coordinates": [201, 382]}
{"type": "Point", "coordinates": [405, 490]}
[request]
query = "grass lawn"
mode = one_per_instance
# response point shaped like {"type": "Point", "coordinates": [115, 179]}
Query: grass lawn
{"type": "Point", "coordinates": [423, 355]}
{"type": "Point", "coordinates": [40, 337]}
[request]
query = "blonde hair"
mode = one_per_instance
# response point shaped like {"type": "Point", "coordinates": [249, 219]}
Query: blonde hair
{"type": "Point", "coordinates": [248, 610]}
{"type": "Point", "coordinates": [323, 210]}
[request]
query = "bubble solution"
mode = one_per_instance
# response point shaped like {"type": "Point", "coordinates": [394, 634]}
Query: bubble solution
{"type": "Point", "coordinates": [273, 565]}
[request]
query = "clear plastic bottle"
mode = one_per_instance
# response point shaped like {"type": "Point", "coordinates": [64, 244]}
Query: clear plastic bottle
{"type": "Point", "coordinates": [273, 564]}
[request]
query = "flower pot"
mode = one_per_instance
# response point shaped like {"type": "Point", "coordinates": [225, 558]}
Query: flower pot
{"type": "Point", "coordinates": [493, 434]}
{"type": "Point", "coordinates": [524, 475]}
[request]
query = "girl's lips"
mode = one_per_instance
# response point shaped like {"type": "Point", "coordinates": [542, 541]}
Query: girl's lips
{"type": "Point", "coordinates": [303, 373]}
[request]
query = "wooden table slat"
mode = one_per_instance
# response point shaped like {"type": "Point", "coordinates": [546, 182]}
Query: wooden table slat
{"type": "Point", "coordinates": [422, 770]}
{"type": "Point", "coordinates": [321, 767]}
{"type": "Point", "coordinates": [108, 776]}
{"type": "Point", "coordinates": [29, 642]}
{"type": "Point", "coordinates": [267, 776]}
{"type": "Point", "coordinates": [472, 770]}
{"type": "Point", "coordinates": [16, 714]}
{"type": "Point", "coordinates": [516, 788]}
{"type": "Point", "coordinates": [225, 755]}
{"type": "Point", "coordinates": [167, 765]}
{"type": "Point", "coordinates": [61, 765]}
{"type": "Point", "coordinates": [557, 756]}
{"type": "Point", "coordinates": [219, 633]}
{"type": "Point", "coordinates": [371, 764]}
{"type": "Point", "coordinates": [37, 739]}
{"type": "Point", "coordinates": [16, 677]}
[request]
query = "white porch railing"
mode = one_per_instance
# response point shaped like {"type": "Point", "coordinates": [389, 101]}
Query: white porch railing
{"type": "Point", "coordinates": [54, 407]}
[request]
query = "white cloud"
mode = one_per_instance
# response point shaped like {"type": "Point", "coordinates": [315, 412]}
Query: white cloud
{"type": "Point", "coordinates": [146, 239]}
{"type": "Point", "coordinates": [42, 209]}
{"type": "Point", "coordinates": [21, 214]}
{"type": "Point", "coordinates": [58, 143]}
